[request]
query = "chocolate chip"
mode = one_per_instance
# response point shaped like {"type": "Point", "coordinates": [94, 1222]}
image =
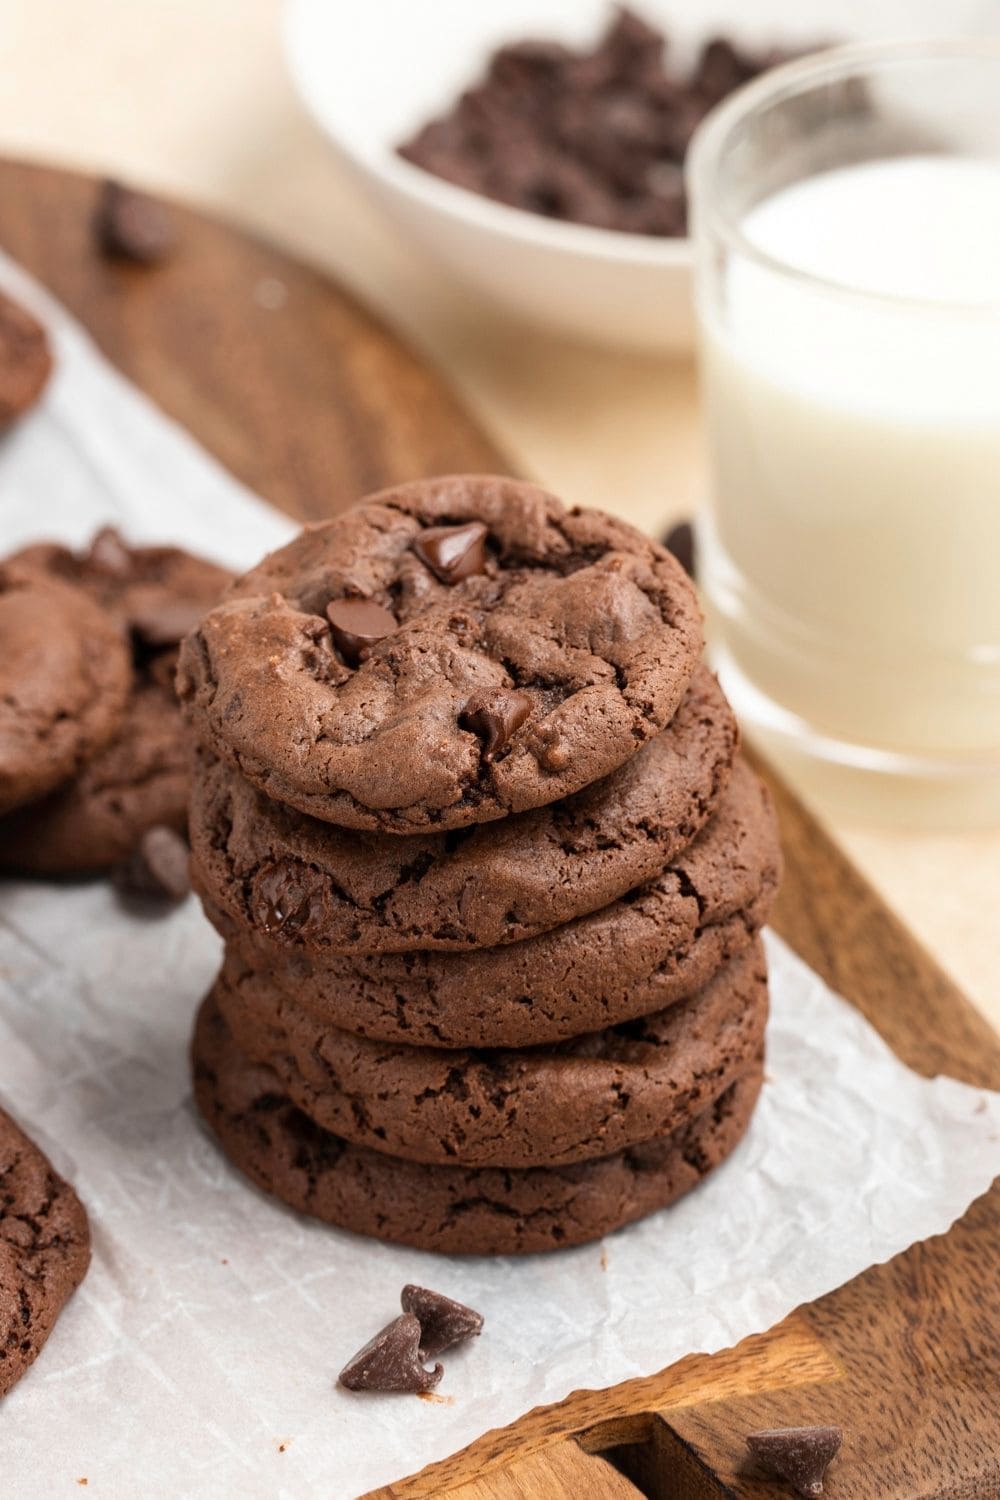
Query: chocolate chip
{"type": "Point", "coordinates": [157, 870]}
{"type": "Point", "coordinates": [391, 1361]}
{"type": "Point", "coordinates": [800, 1455]}
{"type": "Point", "coordinates": [166, 623]}
{"type": "Point", "coordinates": [680, 541]}
{"type": "Point", "coordinates": [442, 1321]}
{"type": "Point", "coordinates": [282, 896]}
{"type": "Point", "coordinates": [356, 626]}
{"type": "Point", "coordinates": [453, 552]}
{"type": "Point", "coordinates": [495, 717]}
{"type": "Point", "coordinates": [110, 553]}
{"type": "Point", "coordinates": [130, 226]}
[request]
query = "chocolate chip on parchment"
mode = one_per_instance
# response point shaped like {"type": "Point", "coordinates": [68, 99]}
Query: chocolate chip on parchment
{"type": "Point", "coordinates": [453, 552]}
{"type": "Point", "coordinates": [495, 717]}
{"type": "Point", "coordinates": [391, 1361]}
{"type": "Point", "coordinates": [130, 226]}
{"type": "Point", "coordinates": [443, 1322]}
{"type": "Point", "coordinates": [799, 1455]}
{"type": "Point", "coordinates": [157, 869]}
{"type": "Point", "coordinates": [356, 626]}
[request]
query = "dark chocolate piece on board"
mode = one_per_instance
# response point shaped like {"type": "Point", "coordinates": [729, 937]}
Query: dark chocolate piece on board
{"type": "Point", "coordinates": [799, 1455]}
{"type": "Point", "coordinates": [130, 226]}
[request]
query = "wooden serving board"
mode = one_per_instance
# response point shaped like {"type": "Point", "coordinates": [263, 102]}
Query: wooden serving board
{"type": "Point", "coordinates": [313, 403]}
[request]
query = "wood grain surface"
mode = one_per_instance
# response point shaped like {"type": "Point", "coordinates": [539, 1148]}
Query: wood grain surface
{"type": "Point", "coordinates": [312, 403]}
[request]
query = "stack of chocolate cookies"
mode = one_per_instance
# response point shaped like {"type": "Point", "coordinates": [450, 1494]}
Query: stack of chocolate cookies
{"type": "Point", "coordinates": [468, 812]}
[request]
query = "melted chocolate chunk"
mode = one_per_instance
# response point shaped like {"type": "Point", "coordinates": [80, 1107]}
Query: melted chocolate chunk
{"type": "Point", "coordinates": [391, 1361]}
{"type": "Point", "coordinates": [130, 226]}
{"type": "Point", "coordinates": [356, 626]}
{"type": "Point", "coordinates": [799, 1455]}
{"type": "Point", "coordinates": [442, 1321]}
{"type": "Point", "coordinates": [157, 870]}
{"type": "Point", "coordinates": [495, 717]}
{"type": "Point", "coordinates": [283, 897]}
{"type": "Point", "coordinates": [453, 552]}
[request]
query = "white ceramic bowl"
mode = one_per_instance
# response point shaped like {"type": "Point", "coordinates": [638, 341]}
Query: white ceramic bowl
{"type": "Point", "coordinates": [372, 73]}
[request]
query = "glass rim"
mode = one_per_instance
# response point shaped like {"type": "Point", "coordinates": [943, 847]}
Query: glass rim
{"type": "Point", "coordinates": [833, 64]}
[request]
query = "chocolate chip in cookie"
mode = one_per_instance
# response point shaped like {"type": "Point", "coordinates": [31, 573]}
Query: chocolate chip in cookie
{"type": "Point", "coordinates": [443, 1322]}
{"type": "Point", "coordinates": [391, 1362]}
{"type": "Point", "coordinates": [357, 625]}
{"type": "Point", "coordinates": [453, 552]}
{"type": "Point", "coordinates": [495, 717]}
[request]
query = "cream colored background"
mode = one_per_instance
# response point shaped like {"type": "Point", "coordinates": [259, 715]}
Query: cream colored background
{"type": "Point", "coordinates": [191, 96]}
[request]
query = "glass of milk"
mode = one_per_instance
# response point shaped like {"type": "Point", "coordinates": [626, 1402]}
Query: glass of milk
{"type": "Point", "coordinates": [847, 226]}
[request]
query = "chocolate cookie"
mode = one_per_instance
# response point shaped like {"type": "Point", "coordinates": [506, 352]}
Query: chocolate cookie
{"type": "Point", "coordinates": [455, 1210]}
{"type": "Point", "coordinates": [534, 1107]}
{"type": "Point", "coordinates": [313, 885]}
{"type": "Point", "coordinates": [44, 1250]}
{"type": "Point", "coordinates": [446, 653]}
{"type": "Point", "coordinates": [657, 945]}
{"type": "Point", "coordinates": [95, 820]}
{"type": "Point", "coordinates": [25, 360]}
{"type": "Point", "coordinates": [141, 779]}
{"type": "Point", "coordinates": [64, 678]}
{"type": "Point", "coordinates": [157, 593]}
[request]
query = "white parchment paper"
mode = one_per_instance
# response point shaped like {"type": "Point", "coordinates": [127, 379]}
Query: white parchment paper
{"type": "Point", "coordinates": [200, 1356]}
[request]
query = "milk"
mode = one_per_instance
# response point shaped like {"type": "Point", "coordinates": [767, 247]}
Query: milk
{"type": "Point", "coordinates": [852, 555]}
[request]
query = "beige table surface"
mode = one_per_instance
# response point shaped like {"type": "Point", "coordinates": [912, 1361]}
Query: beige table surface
{"type": "Point", "coordinates": [191, 96]}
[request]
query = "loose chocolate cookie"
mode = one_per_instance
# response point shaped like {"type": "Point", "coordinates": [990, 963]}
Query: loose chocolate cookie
{"type": "Point", "coordinates": [44, 1250]}
{"type": "Point", "coordinates": [456, 1210]}
{"type": "Point", "coordinates": [446, 653]}
{"type": "Point", "coordinates": [657, 945]}
{"type": "Point", "coordinates": [528, 1108]}
{"type": "Point", "coordinates": [25, 360]}
{"type": "Point", "coordinates": [313, 885]}
{"type": "Point", "coordinates": [64, 678]}
{"type": "Point", "coordinates": [95, 820]}
{"type": "Point", "coordinates": [141, 779]}
{"type": "Point", "coordinates": [157, 593]}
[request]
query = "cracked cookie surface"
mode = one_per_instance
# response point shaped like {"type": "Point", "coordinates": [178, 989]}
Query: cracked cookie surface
{"type": "Point", "coordinates": [44, 1250]}
{"type": "Point", "coordinates": [64, 680]}
{"type": "Point", "coordinates": [654, 946]}
{"type": "Point", "coordinates": [456, 1210]}
{"type": "Point", "coordinates": [309, 884]}
{"type": "Point", "coordinates": [589, 1097]}
{"type": "Point", "coordinates": [528, 650]}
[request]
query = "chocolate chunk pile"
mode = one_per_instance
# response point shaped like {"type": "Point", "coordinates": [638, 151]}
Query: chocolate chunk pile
{"type": "Point", "coordinates": [469, 814]}
{"type": "Point", "coordinates": [596, 137]}
{"type": "Point", "coordinates": [94, 764]}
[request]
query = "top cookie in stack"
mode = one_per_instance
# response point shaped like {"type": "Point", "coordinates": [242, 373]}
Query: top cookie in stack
{"type": "Point", "coordinates": [516, 688]}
